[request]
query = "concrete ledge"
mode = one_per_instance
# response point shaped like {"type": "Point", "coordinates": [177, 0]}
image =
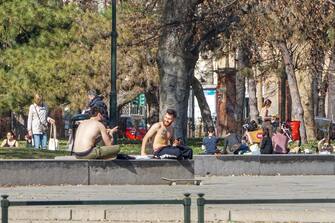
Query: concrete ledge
{"type": "Point", "coordinates": [209, 165]}
{"type": "Point", "coordinates": [44, 172]}
{"type": "Point", "coordinates": [87, 172]}
{"type": "Point", "coordinates": [295, 164]}
{"type": "Point", "coordinates": [150, 172]}
{"type": "Point", "coordinates": [139, 171]}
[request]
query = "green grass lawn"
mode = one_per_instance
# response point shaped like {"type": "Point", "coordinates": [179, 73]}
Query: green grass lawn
{"type": "Point", "coordinates": [127, 147]}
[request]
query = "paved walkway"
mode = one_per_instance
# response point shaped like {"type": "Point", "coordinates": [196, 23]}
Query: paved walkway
{"type": "Point", "coordinates": [233, 187]}
{"type": "Point", "coordinates": [213, 187]}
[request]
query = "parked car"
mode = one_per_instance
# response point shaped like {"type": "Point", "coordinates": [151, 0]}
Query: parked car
{"type": "Point", "coordinates": [132, 127]}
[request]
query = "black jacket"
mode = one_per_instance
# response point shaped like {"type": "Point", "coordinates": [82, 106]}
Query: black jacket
{"type": "Point", "coordinates": [266, 146]}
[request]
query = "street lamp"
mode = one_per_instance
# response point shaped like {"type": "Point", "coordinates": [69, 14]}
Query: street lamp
{"type": "Point", "coordinates": [113, 99]}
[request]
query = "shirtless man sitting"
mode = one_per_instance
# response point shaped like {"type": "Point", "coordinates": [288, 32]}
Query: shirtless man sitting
{"type": "Point", "coordinates": [162, 133]}
{"type": "Point", "coordinates": [87, 135]}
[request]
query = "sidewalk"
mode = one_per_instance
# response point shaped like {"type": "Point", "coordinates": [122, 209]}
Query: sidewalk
{"type": "Point", "coordinates": [233, 187]}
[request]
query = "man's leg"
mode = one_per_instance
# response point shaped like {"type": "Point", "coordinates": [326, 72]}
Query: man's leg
{"type": "Point", "coordinates": [108, 152]}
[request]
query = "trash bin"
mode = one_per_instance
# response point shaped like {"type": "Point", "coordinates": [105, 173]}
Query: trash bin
{"type": "Point", "coordinates": [295, 127]}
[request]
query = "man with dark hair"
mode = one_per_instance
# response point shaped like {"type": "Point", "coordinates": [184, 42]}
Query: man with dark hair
{"type": "Point", "coordinates": [172, 112]}
{"type": "Point", "coordinates": [162, 132]}
{"type": "Point", "coordinates": [87, 135]}
{"type": "Point", "coordinates": [96, 100]}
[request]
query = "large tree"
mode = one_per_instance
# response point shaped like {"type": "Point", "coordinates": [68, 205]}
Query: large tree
{"type": "Point", "coordinates": [189, 27]}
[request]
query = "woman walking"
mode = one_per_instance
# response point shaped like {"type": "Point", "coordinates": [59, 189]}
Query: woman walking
{"type": "Point", "coordinates": [38, 122]}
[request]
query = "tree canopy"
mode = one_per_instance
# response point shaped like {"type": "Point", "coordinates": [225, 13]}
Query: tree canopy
{"type": "Point", "coordinates": [62, 50]}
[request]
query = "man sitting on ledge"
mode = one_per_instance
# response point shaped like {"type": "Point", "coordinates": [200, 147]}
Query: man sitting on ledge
{"type": "Point", "coordinates": [88, 135]}
{"type": "Point", "coordinates": [162, 133]}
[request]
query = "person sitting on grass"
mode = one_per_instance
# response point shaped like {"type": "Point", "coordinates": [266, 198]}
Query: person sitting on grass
{"type": "Point", "coordinates": [266, 146]}
{"type": "Point", "coordinates": [87, 136]}
{"type": "Point", "coordinates": [10, 141]}
{"type": "Point", "coordinates": [324, 145]}
{"type": "Point", "coordinates": [280, 142]}
{"type": "Point", "coordinates": [209, 143]}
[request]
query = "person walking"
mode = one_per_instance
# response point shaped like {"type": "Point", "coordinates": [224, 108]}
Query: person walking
{"type": "Point", "coordinates": [38, 122]}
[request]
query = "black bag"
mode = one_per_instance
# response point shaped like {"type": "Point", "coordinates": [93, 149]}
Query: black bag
{"type": "Point", "coordinates": [44, 127]}
{"type": "Point", "coordinates": [186, 152]}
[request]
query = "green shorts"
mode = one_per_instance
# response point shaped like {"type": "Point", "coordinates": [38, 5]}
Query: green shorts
{"type": "Point", "coordinates": [103, 152]}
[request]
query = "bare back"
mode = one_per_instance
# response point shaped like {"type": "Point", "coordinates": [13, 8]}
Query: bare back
{"type": "Point", "coordinates": [87, 133]}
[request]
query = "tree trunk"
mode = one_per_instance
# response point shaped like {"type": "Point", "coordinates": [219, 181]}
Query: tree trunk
{"type": "Point", "coordinates": [226, 102]}
{"type": "Point", "coordinates": [306, 94]}
{"type": "Point", "coordinates": [331, 87]}
{"type": "Point", "coordinates": [259, 90]}
{"type": "Point", "coordinates": [324, 82]}
{"type": "Point", "coordinates": [151, 96]}
{"type": "Point", "coordinates": [243, 63]}
{"type": "Point", "coordinates": [203, 105]}
{"type": "Point", "coordinates": [297, 110]}
{"type": "Point", "coordinates": [322, 97]}
{"type": "Point", "coordinates": [317, 60]}
{"type": "Point", "coordinates": [253, 110]}
{"type": "Point", "coordinates": [175, 62]}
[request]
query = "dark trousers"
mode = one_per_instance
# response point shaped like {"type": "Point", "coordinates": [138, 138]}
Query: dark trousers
{"type": "Point", "coordinates": [174, 152]}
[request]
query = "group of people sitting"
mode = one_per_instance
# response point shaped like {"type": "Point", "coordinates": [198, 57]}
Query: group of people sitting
{"type": "Point", "coordinates": [271, 141]}
{"type": "Point", "coordinates": [235, 144]}
{"type": "Point", "coordinates": [92, 131]}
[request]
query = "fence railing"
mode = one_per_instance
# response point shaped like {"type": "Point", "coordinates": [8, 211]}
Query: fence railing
{"type": "Point", "coordinates": [201, 202]}
{"type": "Point", "coordinates": [186, 202]}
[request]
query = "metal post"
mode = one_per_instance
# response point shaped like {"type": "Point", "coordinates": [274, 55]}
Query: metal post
{"type": "Point", "coordinates": [193, 120]}
{"type": "Point", "coordinates": [112, 99]}
{"type": "Point", "coordinates": [201, 208]}
{"type": "Point", "coordinates": [4, 209]}
{"type": "Point", "coordinates": [187, 208]}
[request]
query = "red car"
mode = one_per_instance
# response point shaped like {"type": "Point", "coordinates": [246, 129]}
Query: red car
{"type": "Point", "coordinates": [132, 127]}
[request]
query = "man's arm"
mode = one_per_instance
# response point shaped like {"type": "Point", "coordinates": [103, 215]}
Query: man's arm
{"type": "Point", "coordinates": [105, 136]}
{"type": "Point", "coordinates": [152, 131]}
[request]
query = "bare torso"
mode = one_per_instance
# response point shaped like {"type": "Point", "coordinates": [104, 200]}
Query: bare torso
{"type": "Point", "coordinates": [86, 135]}
{"type": "Point", "coordinates": [162, 137]}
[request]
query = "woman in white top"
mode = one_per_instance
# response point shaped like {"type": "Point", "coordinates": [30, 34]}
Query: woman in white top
{"type": "Point", "coordinates": [266, 117]}
{"type": "Point", "coordinates": [38, 122]}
